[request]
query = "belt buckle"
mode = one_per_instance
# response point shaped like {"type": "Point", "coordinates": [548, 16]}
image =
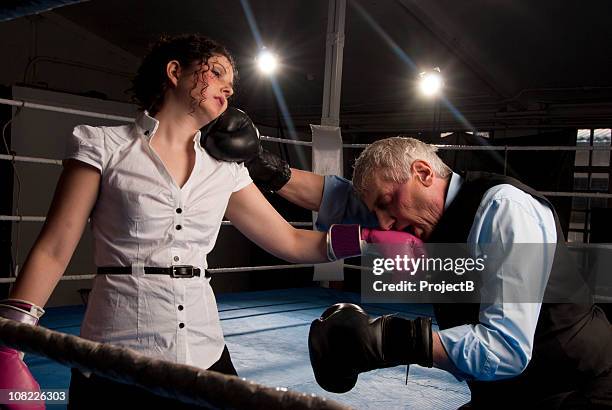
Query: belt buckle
{"type": "Point", "coordinates": [189, 271]}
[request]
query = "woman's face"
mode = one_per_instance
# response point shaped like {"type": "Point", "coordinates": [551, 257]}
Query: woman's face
{"type": "Point", "coordinates": [208, 86]}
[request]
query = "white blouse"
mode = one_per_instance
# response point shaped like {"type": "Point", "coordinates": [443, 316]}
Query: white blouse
{"type": "Point", "coordinates": [143, 218]}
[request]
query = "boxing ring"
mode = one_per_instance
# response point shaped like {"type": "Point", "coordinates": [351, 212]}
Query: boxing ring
{"type": "Point", "coordinates": [267, 332]}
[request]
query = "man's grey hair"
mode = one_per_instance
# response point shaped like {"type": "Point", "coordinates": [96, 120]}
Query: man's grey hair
{"type": "Point", "coordinates": [391, 159]}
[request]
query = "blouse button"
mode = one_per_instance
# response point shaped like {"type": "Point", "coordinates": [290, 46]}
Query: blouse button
{"type": "Point", "coordinates": [179, 211]}
{"type": "Point", "coordinates": [181, 325]}
{"type": "Point", "coordinates": [179, 227]}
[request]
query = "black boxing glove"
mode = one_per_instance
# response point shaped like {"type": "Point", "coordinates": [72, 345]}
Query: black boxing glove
{"type": "Point", "coordinates": [232, 137]}
{"type": "Point", "coordinates": [344, 342]}
{"type": "Point", "coordinates": [269, 171]}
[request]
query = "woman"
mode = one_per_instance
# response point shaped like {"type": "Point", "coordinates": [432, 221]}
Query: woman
{"type": "Point", "coordinates": [156, 200]}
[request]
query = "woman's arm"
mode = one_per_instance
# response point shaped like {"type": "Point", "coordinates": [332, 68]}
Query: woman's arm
{"type": "Point", "coordinates": [75, 196]}
{"type": "Point", "coordinates": [253, 215]}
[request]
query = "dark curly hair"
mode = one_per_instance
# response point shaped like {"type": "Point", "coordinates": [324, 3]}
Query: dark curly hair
{"type": "Point", "coordinates": [151, 81]}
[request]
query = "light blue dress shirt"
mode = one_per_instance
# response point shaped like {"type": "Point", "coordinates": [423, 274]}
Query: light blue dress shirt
{"type": "Point", "coordinates": [501, 344]}
{"type": "Point", "coordinates": [340, 204]}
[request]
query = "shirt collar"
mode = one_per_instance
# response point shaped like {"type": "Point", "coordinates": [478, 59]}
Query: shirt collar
{"type": "Point", "coordinates": [453, 189]}
{"type": "Point", "coordinates": [196, 139]}
{"type": "Point", "coordinates": [148, 125]}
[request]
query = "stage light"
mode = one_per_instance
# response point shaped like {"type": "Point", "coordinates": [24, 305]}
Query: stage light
{"type": "Point", "coordinates": [267, 62]}
{"type": "Point", "coordinates": [431, 82]}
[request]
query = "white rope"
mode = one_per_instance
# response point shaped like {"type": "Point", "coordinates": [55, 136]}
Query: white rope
{"type": "Point", "coordinates": [51, 161]}
{"type": "Point", "coordinates": [46, 107]}
{"type": "Point", "coordinates": [21, 218]}
{"type": "Point", "coordinates": [522, 148]}
{"type": "Point", "coordinates": [285, 141]}
{"type": "Point", "coordinates": [364, 268]}
{"type": "Point", "coordinates": [506, 147]}
{"type": "Point", "coordinates": [580, 245]}
{"type": "Point", "coordinates": [30, 159]}
{"type": "Point", "coordinates": [211, 270]}
{"type": "Point", "coordinates": [464, 147]}
{"type": "Point", "coordinates": [578, 194]}
{"type": "Point", "coordinates": [257, 268]}
{"type": "Point", "coordinates": [63, 278]}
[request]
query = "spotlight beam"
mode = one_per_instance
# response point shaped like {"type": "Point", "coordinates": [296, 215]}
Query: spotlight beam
{"type": "Point", "coordinates": [386, 38]}
{"type": "Point", "coordinates": [278, 93]}
{"type": "Point", "coordinates": [405, 58]}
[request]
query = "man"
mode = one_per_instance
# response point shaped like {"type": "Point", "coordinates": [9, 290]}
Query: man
{"type": "Point", "coordinates": [534, 355]}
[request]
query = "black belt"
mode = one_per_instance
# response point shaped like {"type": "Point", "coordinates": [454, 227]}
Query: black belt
{"type": "Point", "coordinates": [176, 271]}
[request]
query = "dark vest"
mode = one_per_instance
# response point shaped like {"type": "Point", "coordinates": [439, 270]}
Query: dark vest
{"type": "Point", "coordinates": [573, 339]}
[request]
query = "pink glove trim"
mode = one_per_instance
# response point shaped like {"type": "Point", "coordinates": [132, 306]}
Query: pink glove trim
{"type": "Point", "coordinates": [343, 241]}
{"type": "Point", "coordinates": [20, 311]}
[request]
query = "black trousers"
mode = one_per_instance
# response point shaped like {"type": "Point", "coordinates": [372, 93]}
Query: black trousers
{"type": "Point", "coordinates": [99, 393]}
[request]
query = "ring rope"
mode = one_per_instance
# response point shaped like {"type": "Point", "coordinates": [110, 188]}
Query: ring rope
{"type": "Point", "coordinates": [186, 383]}
{"type": "Point", "coordinates": [262, 267]}
{"type": "Point", "coordinates": [47, 107]}
{"type": "Point", "coordinates": [285, 141]}
{"type": "Point", "coordinates": [577, 194]}
{"type": "Point", "coordinates": [21, 218]}
{"type": "Point", "coordinates": [51, 161]}
{"type": "Point", "coordinates": [12, 279]}
{"type": "Point", "coordinates": [19, 158]}
{"type": "Point", "coordinates": [364, 268]}
{"type": "Point", "coordinates": [601, 195]}
{"type": "Point", "coordinates": [27, 104]}
{"type": "Point", "coordinates": [211, 270]}
{"type": "Point", "coordinates": [465, 147]}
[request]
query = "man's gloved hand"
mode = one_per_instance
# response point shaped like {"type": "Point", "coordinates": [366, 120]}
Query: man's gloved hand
{"type": "Point", "coordinates": [344, 342]}
{"type": "Point", "coordinates": [269, 171]}
{"type": "Point", "coordinates": [14, 373]}
{"type": "Point", "coordinates": [344, 241]}
{"type": "Point", "coordinates": [232, 137]}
